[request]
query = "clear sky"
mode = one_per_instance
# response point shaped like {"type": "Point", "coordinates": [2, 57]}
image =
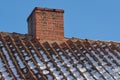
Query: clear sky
{"type": "Point", "coordinates": [91, 19]}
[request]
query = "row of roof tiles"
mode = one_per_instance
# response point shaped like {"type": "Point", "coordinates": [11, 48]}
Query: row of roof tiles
{"type": "Point", "coordinates": [22, 59]}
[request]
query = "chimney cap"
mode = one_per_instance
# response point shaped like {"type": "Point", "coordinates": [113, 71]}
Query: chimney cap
{"type": "Point", "coordinates": [45, 9]}
{"type": "Point", "coordinates": [49, 9]}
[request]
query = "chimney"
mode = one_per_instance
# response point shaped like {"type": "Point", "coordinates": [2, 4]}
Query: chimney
{"type": "Point", "coordinates": [46, 24]}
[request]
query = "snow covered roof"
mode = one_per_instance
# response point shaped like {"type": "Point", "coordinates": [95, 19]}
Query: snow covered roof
{"type": "Point", "coordinates": [79, 59]}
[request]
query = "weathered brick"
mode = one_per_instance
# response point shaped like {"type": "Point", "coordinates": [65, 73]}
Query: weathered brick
{"type": "Point", "coordinates": [46, 24]}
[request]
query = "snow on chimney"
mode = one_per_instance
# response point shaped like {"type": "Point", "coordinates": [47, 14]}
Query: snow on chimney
{"type": "Point", "coordinates": [46, 24]}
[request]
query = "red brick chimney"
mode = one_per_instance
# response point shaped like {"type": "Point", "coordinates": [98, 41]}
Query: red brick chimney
{"type": "Point", "coordinates": [46, 24]}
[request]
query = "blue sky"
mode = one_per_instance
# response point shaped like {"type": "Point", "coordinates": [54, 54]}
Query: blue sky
{"type": "Point", "coordinates": [91, 19]}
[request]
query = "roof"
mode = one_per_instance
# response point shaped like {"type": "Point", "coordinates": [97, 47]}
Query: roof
{"type": "Point", "coordinates": [23, 58]}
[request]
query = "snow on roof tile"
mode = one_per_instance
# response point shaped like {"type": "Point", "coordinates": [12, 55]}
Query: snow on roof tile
{"type": "Point", "coordinates": [22, 59]}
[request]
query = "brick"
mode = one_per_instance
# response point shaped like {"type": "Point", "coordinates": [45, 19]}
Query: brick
{"type": "Point", "coordinates": [46, 24]}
